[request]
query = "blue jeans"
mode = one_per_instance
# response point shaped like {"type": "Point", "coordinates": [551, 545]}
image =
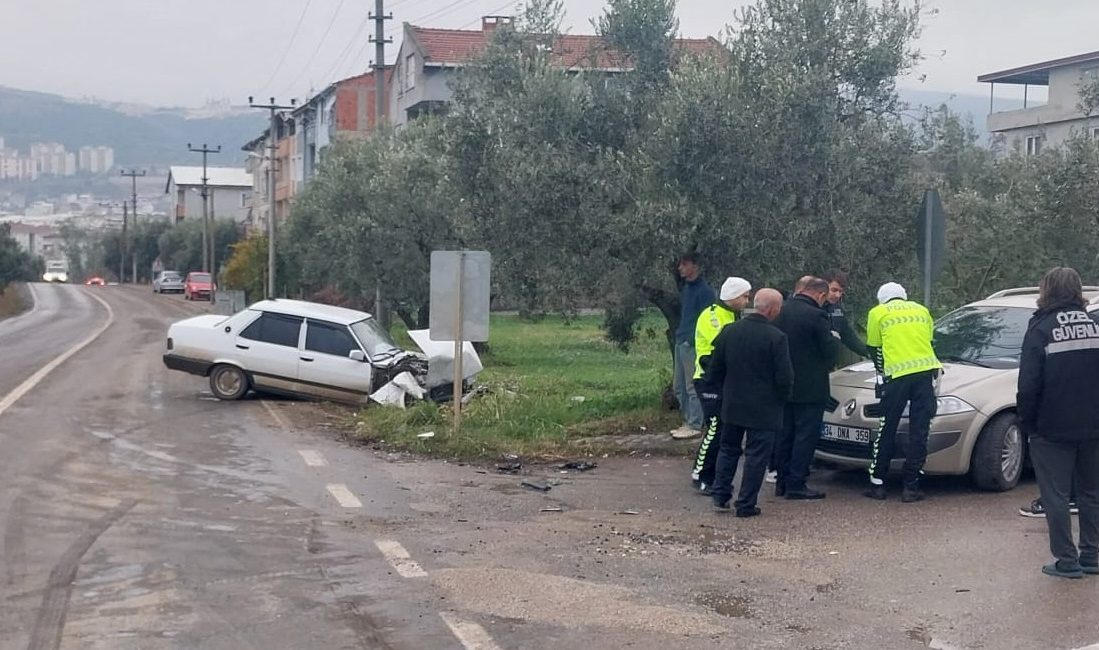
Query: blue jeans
{"type": "Point", "coordinates": [684, 386]}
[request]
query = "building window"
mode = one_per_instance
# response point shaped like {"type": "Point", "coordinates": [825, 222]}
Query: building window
{"type": "Point", "coordinates": [410, 72]}
{"type": "Point", "coordinates": [1033, 145]}
{"type": "Point", "coordinates": [1095, 133]}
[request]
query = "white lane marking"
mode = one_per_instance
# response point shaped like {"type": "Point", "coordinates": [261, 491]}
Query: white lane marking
{"type": "Point", "coordinates": [400, 559]}
{"type": "Point", "coordinates": [472, 635]}
{"type": "Point", "coordinates": [279, 420]}
{"type": "Point", "coordinates": [32, 381]}
{"type": "Point", "coordinates": [1094, 646]}
{"type": "Point", "coordinates": [340, 492]}
{"type": "Point", "coordinates": [313, 458]}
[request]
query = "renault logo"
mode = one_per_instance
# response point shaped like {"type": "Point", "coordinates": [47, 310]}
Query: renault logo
{"type": "Point", "coordinates": [849, 408]}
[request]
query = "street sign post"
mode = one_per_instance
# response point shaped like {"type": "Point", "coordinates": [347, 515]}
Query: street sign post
{"type": "Point", "coordinates": [460, 296]}
{"type": "Point", "coordinates": [932, 241]}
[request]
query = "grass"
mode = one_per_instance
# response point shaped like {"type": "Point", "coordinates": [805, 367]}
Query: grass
{"type": "Point", "coordinates": [553, 388]}
{"type": "Point", "coordinates": [11, 303]}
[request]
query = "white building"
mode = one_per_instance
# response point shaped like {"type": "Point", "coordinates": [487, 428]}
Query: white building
{"type": "Point", "coordinates": [229, 190]}
{"type": "Point", "coordinates": [1035, 127]}
{"type": "Point", "coordinates": [96, 160]}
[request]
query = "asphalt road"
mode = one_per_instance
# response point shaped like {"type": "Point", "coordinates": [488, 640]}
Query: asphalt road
{"type": "Point", "coordinates": [138, 512]}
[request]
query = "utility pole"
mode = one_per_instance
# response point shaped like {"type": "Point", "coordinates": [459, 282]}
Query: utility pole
{"type": "Point", "coordinates": [122, 247]}
{"type": "Point", "coordinates": [133, 174]}
{"type": "Point", "coordinates": [207, 231]}
{"type": "Point", "coordinates": [379, 17]}
{"type": "Point", "coordinates": [273, 136]}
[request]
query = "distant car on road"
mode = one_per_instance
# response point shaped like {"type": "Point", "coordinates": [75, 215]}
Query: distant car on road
{"type": "Point", "coordinates": [975, 430]}
{"type": "Point", "coordinates": [56, 271]}
{"type": "Point", "coordinates": [198, 286]}
{"type": "Point", "coordinates": [168, 282]}
{"type": "Point", "coordinates": [95, 281]}
{"type": "Point", "coordinates": [305, 349]}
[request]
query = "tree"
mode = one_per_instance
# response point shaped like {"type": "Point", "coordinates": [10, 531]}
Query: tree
{"type": "Point", "coordinates": [246, 268]}
{"type": "Point", "coordinates": [180, 246]}
{"type": "Point", "coordinates": [16, 264]}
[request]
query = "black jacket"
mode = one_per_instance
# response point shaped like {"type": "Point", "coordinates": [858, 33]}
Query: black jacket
{"type": "Point", "coordinates": [813, 349]}
{"type": "Point", "coordinates": [1058, 394]}
{"type": "Point", "coordinates": [841, 325]}
{"type": "Point", "coordinates": [751, 362]}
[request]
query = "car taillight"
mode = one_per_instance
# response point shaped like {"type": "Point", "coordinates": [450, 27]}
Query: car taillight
{"type": "Point", "coordinates": [169, 343]}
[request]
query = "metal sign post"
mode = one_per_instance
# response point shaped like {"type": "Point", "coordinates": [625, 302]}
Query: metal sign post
{"type": "Point", "coordinates": [931, 234]}
{"type": "Point", "coordinates": [458, 352]}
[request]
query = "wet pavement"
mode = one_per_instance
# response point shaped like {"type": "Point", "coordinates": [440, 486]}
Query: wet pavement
{"type": "Point", "coordinates": [138, 512]}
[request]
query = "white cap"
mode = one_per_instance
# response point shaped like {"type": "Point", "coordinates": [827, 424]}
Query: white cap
{"type": "Point", "coordinates": [891, 291]}
{"type": "Point", "coordinates": [734, 288]}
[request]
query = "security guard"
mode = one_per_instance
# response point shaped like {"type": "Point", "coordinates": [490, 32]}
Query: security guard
{"type": "Point", "coordinates": [898, 335]}
{"type": "Point", "coordinates": [732, 299]}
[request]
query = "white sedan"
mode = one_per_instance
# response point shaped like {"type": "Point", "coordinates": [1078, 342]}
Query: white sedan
{"type": "Point", "coordinates": [307, 349]}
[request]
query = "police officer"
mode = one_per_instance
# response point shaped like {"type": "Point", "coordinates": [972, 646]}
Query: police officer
{"type": "Point", "coordinates": [898, 335]}
{"type": "Point", "coordinates": [732, 298]}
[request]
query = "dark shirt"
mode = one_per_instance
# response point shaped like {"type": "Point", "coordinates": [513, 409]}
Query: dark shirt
{"type": "Point", "coordinates": [694, 297]}
{"type": "Point", "coordinates": [813, 349]}
{"type": "Point", "coordinates": [841, 324]}
{"type": "Point", "coordinates": [751, 364]}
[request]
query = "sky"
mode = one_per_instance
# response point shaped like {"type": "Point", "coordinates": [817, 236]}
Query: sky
{"type": "Point", "coordinates": [184, 53]}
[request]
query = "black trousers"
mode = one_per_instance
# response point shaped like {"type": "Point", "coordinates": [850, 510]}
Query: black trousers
{"type": "Point", "coordinates": [755, 445]}
{"type": "Point", "coordinates": [1058, 466]}
{"type": "Point", "coordinates": [706, 458]}
{"type": "Point", "coordinates": [796, 444]}
{"type": "Point", "coordinates": [917, 392]}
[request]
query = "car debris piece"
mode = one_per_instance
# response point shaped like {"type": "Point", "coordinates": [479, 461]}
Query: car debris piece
{"type": "Point", "coordinates": [427, 434]}
{"type": "Point", "coordinates": [534, 485]}
{"type": "Point", "coordinates": [551, 510]}
{"type": "Point", "coordinates": [509, 467]}
{"type": "Point", "coordinates": [393, 393]}
{"type": "Point", "coordinates": [579, 465]}
{"type": "Point", "coordinates": [628, 512]}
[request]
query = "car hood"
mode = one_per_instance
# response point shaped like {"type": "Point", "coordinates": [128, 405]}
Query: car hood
{"type": "Point", "coordinates": [206, 321]}
{"type": "Point", "coordinates": [956, 377]}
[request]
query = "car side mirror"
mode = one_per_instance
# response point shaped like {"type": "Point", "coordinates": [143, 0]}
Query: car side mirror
{"type": "Point", "coordinates": [357, 355]}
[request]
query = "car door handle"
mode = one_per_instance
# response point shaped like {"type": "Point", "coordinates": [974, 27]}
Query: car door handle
{"type": "Point", "coordinates": [242, 347]}
{"type": "Point", "coordinates": [306, 359]}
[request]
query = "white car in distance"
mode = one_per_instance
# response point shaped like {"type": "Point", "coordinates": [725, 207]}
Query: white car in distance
{"type": "Point", "coordinates": [306, 349]}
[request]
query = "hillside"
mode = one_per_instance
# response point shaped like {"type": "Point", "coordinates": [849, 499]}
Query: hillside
{"type": "Point", "coordinates": [157, 137]}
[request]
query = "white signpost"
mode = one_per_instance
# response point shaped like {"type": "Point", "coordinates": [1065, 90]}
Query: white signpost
{"type": "Point", "coordinates": [460, 296]}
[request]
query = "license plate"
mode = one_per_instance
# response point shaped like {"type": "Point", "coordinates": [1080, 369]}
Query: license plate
{"type": "Point", "coordinates": [846, 434]}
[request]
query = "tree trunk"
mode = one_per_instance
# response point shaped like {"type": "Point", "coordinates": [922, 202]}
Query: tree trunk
{"type": "Point", "coordinates": [669, 305]}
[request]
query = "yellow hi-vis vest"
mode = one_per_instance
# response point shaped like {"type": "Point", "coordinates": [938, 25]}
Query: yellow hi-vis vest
{"type": "Point", "coordinates": [710, 323]}
{"type": "Point", "coordinates": [903, 330]}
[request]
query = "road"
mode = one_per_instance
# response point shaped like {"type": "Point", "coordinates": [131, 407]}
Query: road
{"type": "Point", "coordinates": [138, 512]}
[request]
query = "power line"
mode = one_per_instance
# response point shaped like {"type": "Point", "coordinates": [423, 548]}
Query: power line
{"type": "Point", "coordinates": [446, 9]}
{"type": "Point", "coordinates": [337, 65]}
{"type": "Point", "coordinates": [289, 44]}
{"type": "Point", "coordinates": [313, 57]}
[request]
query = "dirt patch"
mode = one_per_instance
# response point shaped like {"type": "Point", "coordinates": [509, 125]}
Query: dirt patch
{"type": "Point", "coordinates": [12, 301]}
{"type": "Point", "coordinates": [726, 604]}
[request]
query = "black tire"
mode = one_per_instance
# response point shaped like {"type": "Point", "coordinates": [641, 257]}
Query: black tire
{"type": "Point", "coordinates": [228, 383]}
{"type": "Point", "coordinates": [999, 455]}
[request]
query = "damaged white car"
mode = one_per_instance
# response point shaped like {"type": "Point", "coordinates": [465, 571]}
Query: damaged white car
{"type": "Point", "coordinates": [306, 349]}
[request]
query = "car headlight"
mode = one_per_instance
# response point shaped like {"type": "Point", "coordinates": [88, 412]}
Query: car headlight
{"type": "Point", "coordinates": [948, 405]}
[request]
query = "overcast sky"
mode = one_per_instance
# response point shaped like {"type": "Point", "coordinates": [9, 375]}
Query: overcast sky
{"type": "Point", "coordinates": [184, 52]}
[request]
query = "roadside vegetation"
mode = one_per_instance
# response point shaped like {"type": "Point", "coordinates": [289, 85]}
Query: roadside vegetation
{"type": "Point", "coordinates": [16, 265]}
{"type": "Point", "coordinates": [552, 388]}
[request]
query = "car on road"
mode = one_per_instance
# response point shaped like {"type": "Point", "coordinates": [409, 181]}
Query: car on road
{"type": "Point", "coordinates": [974, 431]}
{"type": "Point", "coordinates": [198, 286]}
{"type": "Point", "coordinates": [168, 282]}
{"type": "Point", "coordinates": [56, 271]}
{"type": "Point", "coordinates": [307, 349]}
{"type": "Point", "coordinates": [95, 281]}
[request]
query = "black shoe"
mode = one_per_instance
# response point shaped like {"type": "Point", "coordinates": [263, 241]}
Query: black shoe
{"type": "Point", "coordinates": [705, 489]}
{"type": "Point", "coordinates": [780, 489]}
{"type": "Point", "coordinates": [748, 512]}
{"type": "Point", "coordinates": [912, 495]}
{"type": "Point", "coordinates": [721, 506]}
{"type": "Point", "coordinates": [804, 495]}
{"type": "Point", "coordinates": [876, 492]}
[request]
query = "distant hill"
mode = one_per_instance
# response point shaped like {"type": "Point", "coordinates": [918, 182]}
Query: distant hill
{"type": "Point", "coordinates": [154, 137]}
{"type": "Point", "coordinates": [973, 106]}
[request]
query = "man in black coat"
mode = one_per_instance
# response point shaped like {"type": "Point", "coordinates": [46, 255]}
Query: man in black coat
{"type": "Point", "coordinates": [813, 352]}
{"type": "Point", "coordinates": [1058, 407]}
{"type": "Point", "coordinates": [751, 363]}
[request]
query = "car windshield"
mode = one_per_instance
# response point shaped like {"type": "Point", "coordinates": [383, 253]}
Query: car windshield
{"type": "Point", "coordinates": [169, 276]}
{"type": "Point", "coordinates": [200, 277]}
{"type": "Point", "coordinates": [983, 336]}
{"type": "Point", "coordinates": [375, 340]}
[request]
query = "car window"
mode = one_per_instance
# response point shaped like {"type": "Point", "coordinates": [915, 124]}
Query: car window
{"type": "Point", "coordinates": [374, 338]}
{"type": "Point", "coordinates": [329, 338]}
{"type": "Point", "coordinates": [274, 328]}
{"type": "Point", "coordinates": [200, 277]}
{"type": "Point", "coordinates": [991, 336]}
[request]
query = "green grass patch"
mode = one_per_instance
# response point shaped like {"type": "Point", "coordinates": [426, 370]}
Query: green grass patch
{"type": "Point", "coordinates": [549, 384]}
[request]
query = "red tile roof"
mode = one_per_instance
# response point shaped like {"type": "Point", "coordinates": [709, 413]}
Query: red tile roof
{"type": "Point", "coordinates": [456, 47]}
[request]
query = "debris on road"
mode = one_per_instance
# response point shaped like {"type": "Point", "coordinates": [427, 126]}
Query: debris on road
{"type": "Point", "coordinates": [628, 512]}
{"type": "Point", "coordinates": [510, 464]}
{"type": "Point", "coordinates": [534, 485]}
{"type": "Point", "coordinates": [551, 510]}
{"type": "Point", "coordinates": [393, 393]}
{"type": "Point", "coordinates": [579, 465]}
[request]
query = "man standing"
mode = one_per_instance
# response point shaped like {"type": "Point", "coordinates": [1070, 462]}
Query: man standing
{"type": "Point", "coordinates": [1058, 405]}
{"type": "Point", "coordinates": [841, 324]}
{"type": "Point", "coordinates": [694, 296]}
{"type": "Point", "coordinates": [732, 299]}
{"type": "Point", "coordinates": [813, 352]}
{"type": "Point", "coordinates": [751, 363]}
{"type": "Point", "coordinates": [899, 334]}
